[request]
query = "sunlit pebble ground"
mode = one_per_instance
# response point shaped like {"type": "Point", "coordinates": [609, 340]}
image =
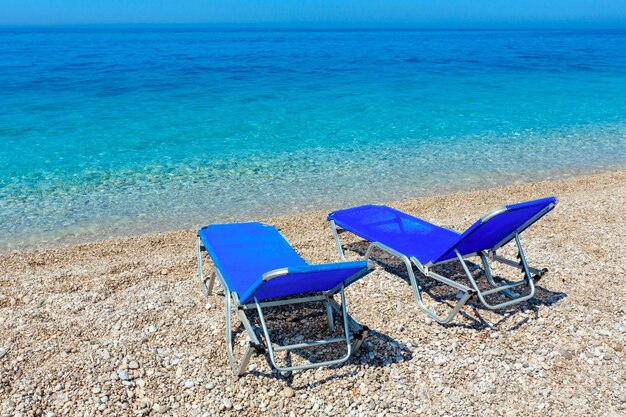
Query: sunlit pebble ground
{"type": "Point", "coordinates": [121, 327]}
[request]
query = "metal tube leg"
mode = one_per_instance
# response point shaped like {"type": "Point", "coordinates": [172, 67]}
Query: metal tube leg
{"type": "Point", "coordinates": [531, 282]}
{"type": "Point", "coordinates": [237, 367]}
{"type": "Point", "coordinates": [229, 331]}
{"type": "Point", "coordinates": [416, 289]}
{"type": "Point", "coordinates": [479, 293]}
{"type": "Point", "coordinates": [254, 345]}
{"type": "Point", "coordinates": [487, 269]}
{"type": "Point", "coordinates": [333, 227]}
{"type": "Point", "coordinates": [211, 283]}
{"type": "Point", "coordinates": [203, 283]}
{"type": "Point", "coordinates": [271, 348]}
{"type": "Point", "coordinates": [203, 286]}
{"type": "Point", "coordinates": [329, 316]}
{"type": "Point", "coordinates": [359, 332]}
{"type": "Point", "coordinates": [492, 282]}
{"type": "Point", "coordinates": [346, 326]}
{"type": "Point", "coordinates": [514, 264]}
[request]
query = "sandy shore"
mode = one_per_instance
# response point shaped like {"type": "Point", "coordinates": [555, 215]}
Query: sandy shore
{"type": "Point", "coordinates": [121, 328]}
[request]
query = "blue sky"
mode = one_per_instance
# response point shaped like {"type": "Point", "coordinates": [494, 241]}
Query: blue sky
{"type": "Point", "coordinates": [322, 13]}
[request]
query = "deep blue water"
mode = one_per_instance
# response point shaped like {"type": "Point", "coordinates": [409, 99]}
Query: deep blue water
{"type": "Point", "coordinates": [110, 132]}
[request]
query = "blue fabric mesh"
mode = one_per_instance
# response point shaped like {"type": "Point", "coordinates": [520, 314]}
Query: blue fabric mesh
{"type": "Point", "coordinates": [243, 252]}
{"type": "Point", "coordinates": [499, 229]}
{"type": "Point", "coordinates": [399, 231]}
{"type": "Point", "coordinates": [430, 243]}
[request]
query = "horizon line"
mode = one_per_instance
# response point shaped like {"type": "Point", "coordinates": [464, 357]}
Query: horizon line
{"type": "Point", "coordinates": [289, 27]}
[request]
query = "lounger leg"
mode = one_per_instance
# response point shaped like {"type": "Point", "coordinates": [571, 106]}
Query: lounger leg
{"type": "Point", "coordinates": [492, 282]}
{"type": "Point", "coordinates": [538, 272]}
{"type": "Point", "coordinates": [203, 282]}
{"type": "Point", "coordinates": [518, 265]}
{"type": "Point", "coordinates": [272, 348]}
{"type": "Point", "coordinates": [467, 294]}
{"type": "Point", "coordinates": [238, 367]}
{"type": "Point", "coordinates": [359, 332]}
{"type": "Point", "coordinates": [329, 316]}
{"type": "Point", "coordinates": [254, 346]}
{"type": "Point", "coordinates": [211, 283]}
{"type": "Point", "coordinates": [529, 277]}
{"type": "Point", "coordinates": [333, 227]}
{"type": "Point", "coordinates": [500, 289]}
{"type": "Point", "coordinates": [416, 288]}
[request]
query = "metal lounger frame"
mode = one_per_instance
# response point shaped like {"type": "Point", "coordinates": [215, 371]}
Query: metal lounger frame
{"type": "Point", "coordinates": [232, 304]}
{"type": "Point", "coordinates": [467, 292]}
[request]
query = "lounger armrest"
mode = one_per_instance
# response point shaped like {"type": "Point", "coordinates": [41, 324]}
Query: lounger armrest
{"type": "Point", "coordinates": [275, 274]}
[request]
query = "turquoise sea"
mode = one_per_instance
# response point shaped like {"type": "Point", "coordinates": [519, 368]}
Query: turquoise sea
{"type": "Point", "coordinates": [114, 131]}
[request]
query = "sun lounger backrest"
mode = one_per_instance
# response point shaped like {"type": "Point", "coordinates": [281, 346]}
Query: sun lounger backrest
{"type": "Point", "coordinates": [304, 279]}
{"type": "Point", "coordinates": [499, 227]}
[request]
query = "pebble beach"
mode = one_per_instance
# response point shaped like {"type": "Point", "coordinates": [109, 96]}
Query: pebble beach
{"type": "Point", "coordinates": [121, 327]}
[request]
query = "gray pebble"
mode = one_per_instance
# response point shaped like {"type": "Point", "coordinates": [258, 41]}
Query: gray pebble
{"type": "Point", "coordinates": [228, 404]}
{"type": "Point", "coordinates": [161, 409]}
{"type": "Point", "coordinates": [566, 354]}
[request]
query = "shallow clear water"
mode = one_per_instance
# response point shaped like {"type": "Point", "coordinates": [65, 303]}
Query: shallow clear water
{"type": "Point", "coordinates": [112, 132]}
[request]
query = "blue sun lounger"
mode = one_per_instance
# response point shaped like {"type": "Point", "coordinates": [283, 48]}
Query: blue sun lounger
{"type": "Point", "coordinates": [258, 269]}
{"type": "Point", "coordinates": [426, 245]}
